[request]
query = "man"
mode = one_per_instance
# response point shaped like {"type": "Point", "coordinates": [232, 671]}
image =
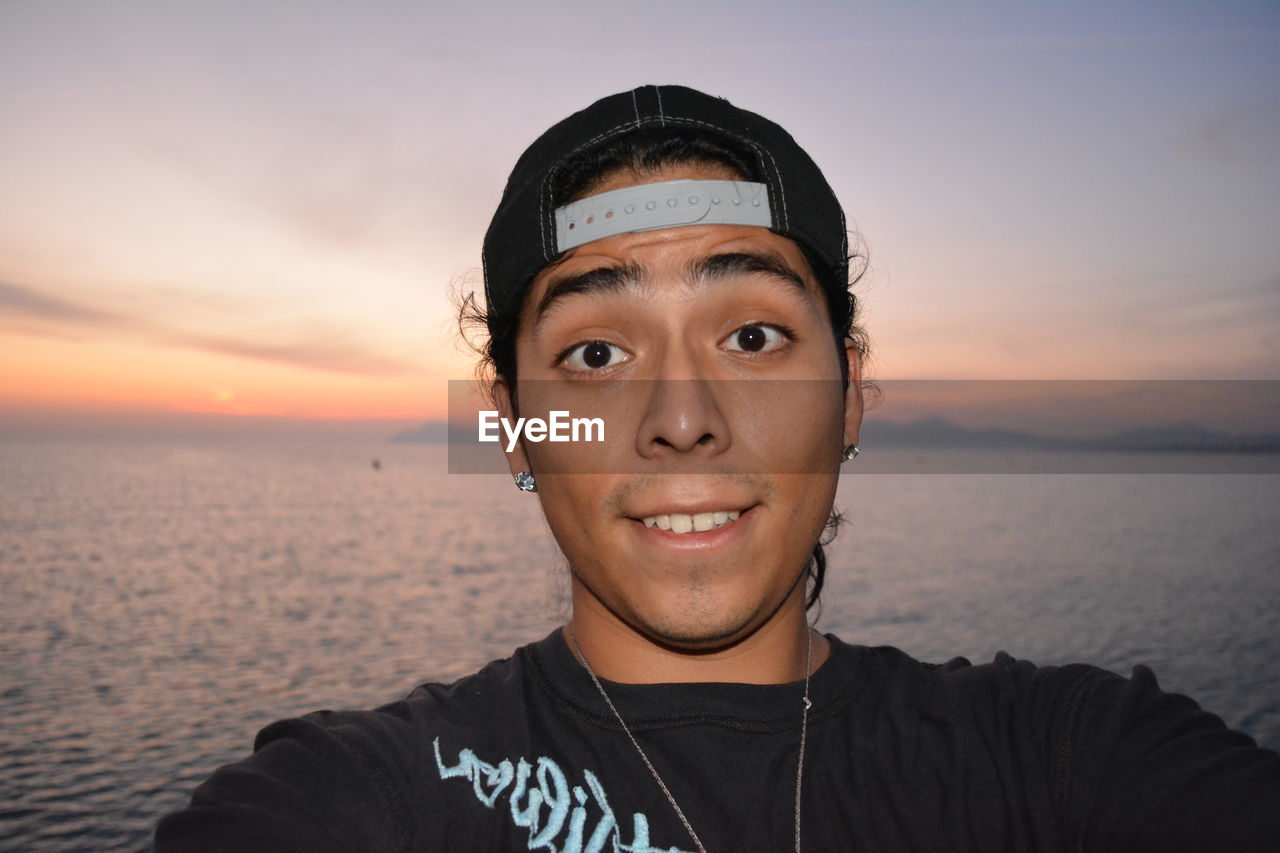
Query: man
{"type": "Point", "coordinates": [681, 266]}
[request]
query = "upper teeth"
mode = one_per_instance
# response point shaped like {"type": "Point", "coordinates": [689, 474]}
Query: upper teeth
{"type": "Point", "coordinates": [679, 522]}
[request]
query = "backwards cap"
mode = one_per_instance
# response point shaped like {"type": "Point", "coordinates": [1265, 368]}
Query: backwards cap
{"type": "Point", "coordinates": [532, 228]}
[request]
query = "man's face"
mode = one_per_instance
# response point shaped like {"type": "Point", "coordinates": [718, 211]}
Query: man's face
{"type": "Point", "coordinates": [708, 352]}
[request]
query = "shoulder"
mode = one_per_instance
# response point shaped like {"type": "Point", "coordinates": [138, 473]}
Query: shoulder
{"type": "Point", "coordinates": [961, 686]}
{"type": "Point", "coordinates": [1006, 713]}
{"type": "Point", "coordinates": [477, 700]}
{"type": "Point", "coordinates": [1068, 714]}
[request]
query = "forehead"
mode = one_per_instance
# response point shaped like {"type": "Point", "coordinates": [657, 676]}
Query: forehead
{"type": "Point", "coordinates": [675, 258]}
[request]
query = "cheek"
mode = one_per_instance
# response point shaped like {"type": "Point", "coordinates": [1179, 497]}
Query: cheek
{"type": "Point", "coordinates": [812, 496]}
{"type": "Point", "coordinates": [575, 508]}
{"type": "Point", "coordinates": [793, 427]}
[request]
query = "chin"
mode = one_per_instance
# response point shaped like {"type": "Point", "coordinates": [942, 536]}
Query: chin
{"type": "Point", "coordinates": [696, 627]}
{"type": "Point", "coordinates": [694, 637]}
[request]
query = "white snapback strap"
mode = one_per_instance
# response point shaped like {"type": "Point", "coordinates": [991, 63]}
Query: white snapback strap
{"type": "Point", "coordinates": [647, 207]}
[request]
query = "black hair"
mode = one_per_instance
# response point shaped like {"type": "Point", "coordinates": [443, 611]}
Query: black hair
{"type": "Point", "coordinates": [646, 152]}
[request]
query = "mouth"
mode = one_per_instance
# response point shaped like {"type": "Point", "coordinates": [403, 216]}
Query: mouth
{"type": "Point", "coordinates": [680, 522]}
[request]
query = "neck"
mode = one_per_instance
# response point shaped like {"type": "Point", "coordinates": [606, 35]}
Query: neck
{"type": "Point", "coordinates": [774, 652]}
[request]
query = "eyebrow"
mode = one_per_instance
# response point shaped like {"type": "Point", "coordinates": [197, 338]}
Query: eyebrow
{"type": "Point", "coordinates": [714, 267]}
{"type": "Point", "coordinates": [599, 280]}
{"type": "Point", "coordinates": [702, 270]}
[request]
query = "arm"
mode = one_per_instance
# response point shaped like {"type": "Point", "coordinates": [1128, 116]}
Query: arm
{"type": "Point", "coordinates": [1149, 770]}
{"type": "Point", "coordinates": [326, 782]}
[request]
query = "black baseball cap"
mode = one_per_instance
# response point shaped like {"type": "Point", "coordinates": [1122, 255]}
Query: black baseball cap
{"type": "Point", "coordinates": [522, 238]}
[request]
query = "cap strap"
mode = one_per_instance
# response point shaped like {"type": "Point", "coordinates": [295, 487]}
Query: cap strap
{"type": "Point", "coordinates": [646, 207]}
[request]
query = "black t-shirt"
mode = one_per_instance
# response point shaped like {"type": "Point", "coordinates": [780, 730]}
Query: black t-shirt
{"type": "Point", "coordinates": [901, 756]}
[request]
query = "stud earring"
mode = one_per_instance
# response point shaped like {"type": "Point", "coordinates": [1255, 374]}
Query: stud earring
{"type": "Point", "coordinates": [851, 452]}
{"type": "Point", "coordinates": [525, 482]}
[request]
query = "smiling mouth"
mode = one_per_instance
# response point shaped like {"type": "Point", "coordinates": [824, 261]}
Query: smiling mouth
{"type": "Point", "coordinates": [679, 522]}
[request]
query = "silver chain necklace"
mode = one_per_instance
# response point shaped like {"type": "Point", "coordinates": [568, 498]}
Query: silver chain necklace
{"type": "Point", "coordinates": [804, 726]}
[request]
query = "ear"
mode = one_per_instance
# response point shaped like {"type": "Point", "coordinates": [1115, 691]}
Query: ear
{"type": "Point", "coordinates": [852, 394]}
{"type": "Point", "coordinates": [516, 460]}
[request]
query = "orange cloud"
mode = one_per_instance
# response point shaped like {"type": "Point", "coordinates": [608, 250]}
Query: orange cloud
{"type": "Point", "coordinates": [30, 312]}
{"type": "Point", "coordinates": [121, 374]}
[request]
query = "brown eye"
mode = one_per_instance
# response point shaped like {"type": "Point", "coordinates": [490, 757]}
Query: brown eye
{"type": "Point", "coordinates": [751, 339]}
{"type": "Point", "coordinates": [755, 339]}
{"type": "Point", "coordinates": [594, 355]}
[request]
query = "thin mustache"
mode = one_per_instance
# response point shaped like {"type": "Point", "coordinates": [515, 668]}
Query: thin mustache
{"type": "Point", "coordinates": [624, 493]}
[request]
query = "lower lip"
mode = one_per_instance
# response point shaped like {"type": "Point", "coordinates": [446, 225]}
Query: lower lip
{"type": "Point", "coordinates": [695, 540]}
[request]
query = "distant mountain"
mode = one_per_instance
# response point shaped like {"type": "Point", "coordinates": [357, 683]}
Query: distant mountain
{"type": "Point", "coordinates": [1187, 437]}
{"type": "Point", "coordinates": [1173, 438]}
{"type": "Point", "coordinates": [940, 432]}
{"type": "Point", "coordinates": [432, 432]}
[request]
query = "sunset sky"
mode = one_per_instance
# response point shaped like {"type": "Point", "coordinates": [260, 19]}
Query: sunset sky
{"type": "Point", "coordinates": [257, 208]}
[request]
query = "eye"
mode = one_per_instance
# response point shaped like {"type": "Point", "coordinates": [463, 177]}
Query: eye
{"type": "Point", "coordinates": [756, 338]}
{"type": "Point", "coordinates": [593, 355]}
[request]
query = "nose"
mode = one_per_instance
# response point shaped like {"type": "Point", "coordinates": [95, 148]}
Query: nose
{"type": "Point", "coordinates": [682, 416]}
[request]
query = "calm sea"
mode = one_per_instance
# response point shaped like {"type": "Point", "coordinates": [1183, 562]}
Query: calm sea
{"type": "Point", "coordinates": [161, 603]}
